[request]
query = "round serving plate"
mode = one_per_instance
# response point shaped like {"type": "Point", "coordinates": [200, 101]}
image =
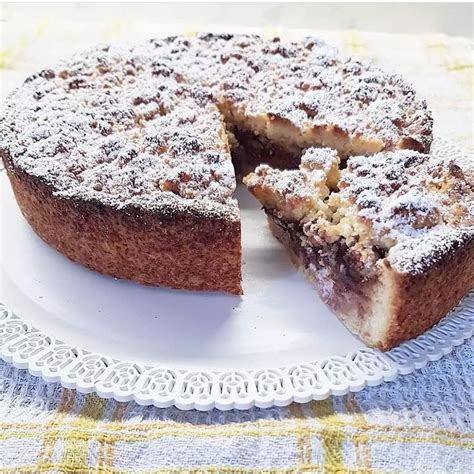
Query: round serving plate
{"type": "Point", "coordinates": [276, 344]}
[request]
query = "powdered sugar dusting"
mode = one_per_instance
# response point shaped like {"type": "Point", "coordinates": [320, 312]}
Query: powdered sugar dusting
{"type": "Point", "coordinates": [323, 159]}
{"type": "Point", "coordinates": [415, 256]}
{"type": "Point", "coordinates": [291, 184]}
{"type": "Point", "coordinates": [118, 126]}
{"type": "Point", "coordinates": [317, 87]}
{"type": "Point", "coordinates": [418, 206]}
{"type": "Point", "coordinates": [297, 194]}
{"type": "Point", "coordinates": [405, 191]}
{"type": "Point", "coordinates": [141, 125]}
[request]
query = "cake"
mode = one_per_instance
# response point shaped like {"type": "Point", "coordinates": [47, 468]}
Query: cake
{"type": "Point", "coordinates": [120, 156]}
{"type": "Point", "coordinates": [126, 158]}
{"type": "Point", "coordinates": [387, 239]}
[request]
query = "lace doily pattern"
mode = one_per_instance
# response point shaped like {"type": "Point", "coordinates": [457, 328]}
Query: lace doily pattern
{"type": "Point", "coordinates": [55, 361]}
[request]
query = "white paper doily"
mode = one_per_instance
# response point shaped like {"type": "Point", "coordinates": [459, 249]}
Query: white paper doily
{"type": "Point", "coordinates": [195, 351]}
{"type": "Point", "coordinates": [55, 361]}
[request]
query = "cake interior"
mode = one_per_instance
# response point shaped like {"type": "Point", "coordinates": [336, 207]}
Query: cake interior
{"type": "Point", "coordinates": [348, 291]}
{"type": "Point", "coordinates": [344, 278]}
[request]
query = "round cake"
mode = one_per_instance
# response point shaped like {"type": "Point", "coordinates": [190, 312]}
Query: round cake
{"type": "Point", "coordinates": [125, 159]}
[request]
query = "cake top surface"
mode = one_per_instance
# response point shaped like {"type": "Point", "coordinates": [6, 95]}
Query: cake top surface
{"type": "Point", "coordinates": [410, 207]}
{"type": "Point", "coordinates": [143, 125]}
{"type": "Point", "coordinates": [417, 206]}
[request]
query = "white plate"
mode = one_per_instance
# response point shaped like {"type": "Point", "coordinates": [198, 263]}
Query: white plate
{"type": "Point", "coordinates": [276, 344]}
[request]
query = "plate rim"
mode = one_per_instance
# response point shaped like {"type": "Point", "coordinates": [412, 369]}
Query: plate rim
{"type": "Point", "coordinates": [26, 347]}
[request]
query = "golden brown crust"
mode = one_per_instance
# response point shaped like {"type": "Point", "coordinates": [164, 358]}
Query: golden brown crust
{"type": "Point", "coordinates": [420, 301]}
{"type": "Point", "coordinates": [185, 251]}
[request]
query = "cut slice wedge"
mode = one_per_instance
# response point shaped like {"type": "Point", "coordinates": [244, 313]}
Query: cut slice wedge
{"type": "Point", "coordinates": [388, 240]}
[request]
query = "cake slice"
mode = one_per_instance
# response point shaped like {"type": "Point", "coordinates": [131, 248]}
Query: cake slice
{"type": "Point", "coordinates": [127, 171]}
{"type": "Point", "coordinates": [388, 239]}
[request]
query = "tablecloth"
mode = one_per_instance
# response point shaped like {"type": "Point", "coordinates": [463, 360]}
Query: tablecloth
{"type": "Point", "coordinates": [421, 422]}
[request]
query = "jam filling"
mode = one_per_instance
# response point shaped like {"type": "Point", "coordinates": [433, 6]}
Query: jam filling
{"type": "Point", "coordinates": [348, 285]}
{"type": "Point", "coordinates": [252, 150]}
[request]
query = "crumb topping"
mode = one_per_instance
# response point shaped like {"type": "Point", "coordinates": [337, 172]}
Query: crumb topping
{"type": "Point", "coordinates": [297, 194]}
{"type": "Point", "coordinates": [408, 207]}
{"type": "Point", "coordinates": [143, 125]}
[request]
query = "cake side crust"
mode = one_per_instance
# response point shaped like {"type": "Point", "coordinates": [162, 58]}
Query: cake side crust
{"type": "Point", "coordinates": [183, 251]}
{"type": "Point", "coordinates": [419, 301]}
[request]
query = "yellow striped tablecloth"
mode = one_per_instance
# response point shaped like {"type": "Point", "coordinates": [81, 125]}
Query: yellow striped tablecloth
{"type": "Point", "coordinates": [420, 423]}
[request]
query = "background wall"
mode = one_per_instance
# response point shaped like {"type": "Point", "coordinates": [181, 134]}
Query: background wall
{"type": "Point", "coordinates": [454, 19]}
